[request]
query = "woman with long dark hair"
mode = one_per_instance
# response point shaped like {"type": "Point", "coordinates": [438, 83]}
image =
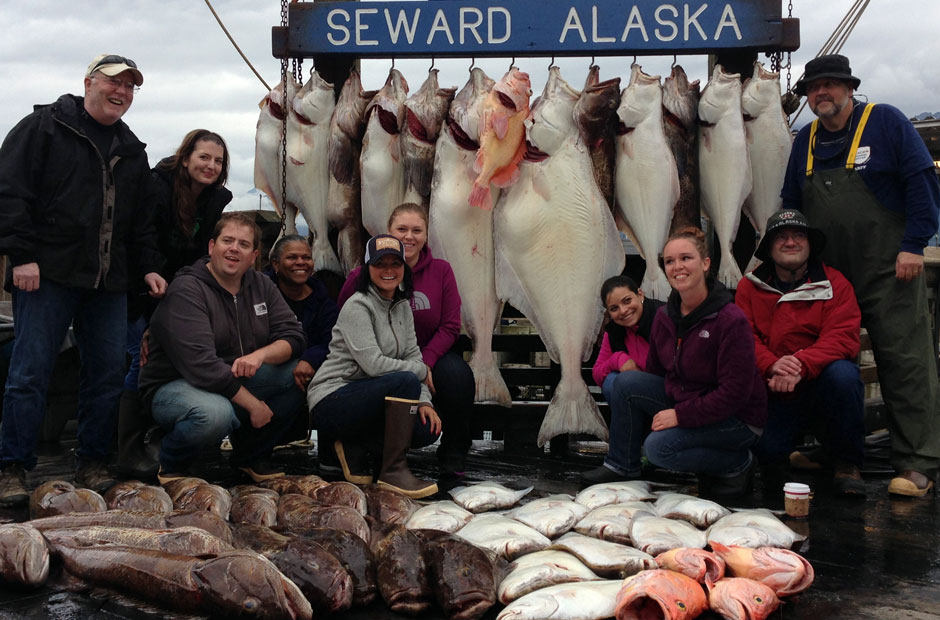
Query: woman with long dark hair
{"type": "Point", "coordinates": [189, 196]}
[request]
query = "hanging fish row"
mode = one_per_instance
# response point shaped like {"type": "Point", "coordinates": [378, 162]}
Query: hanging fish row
{"type": "Point", "coordinates": [558, 175]}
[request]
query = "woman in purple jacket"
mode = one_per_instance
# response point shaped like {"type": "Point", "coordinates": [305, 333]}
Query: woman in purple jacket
{"type": "Point", "coordinates": [701, 404]}
{"type": "Point", "coordinates": [436, 307]}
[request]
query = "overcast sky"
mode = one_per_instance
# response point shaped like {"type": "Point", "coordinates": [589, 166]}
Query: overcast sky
{"type": "Point", "coordinates": [195, 78]}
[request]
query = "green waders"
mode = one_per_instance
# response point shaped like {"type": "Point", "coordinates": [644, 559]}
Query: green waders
{"type": "Point", "coordinates": [863, 241]}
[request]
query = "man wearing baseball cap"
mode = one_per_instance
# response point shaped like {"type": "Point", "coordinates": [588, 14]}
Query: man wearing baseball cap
{"type": "Point", "coordinates": [861, 173]}
{"type": "Point", "coordinates": [806, 337]}
{"type": "Point", "coordinates": [75, 225]}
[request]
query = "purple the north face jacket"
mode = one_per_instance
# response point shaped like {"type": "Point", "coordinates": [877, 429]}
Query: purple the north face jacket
{"type": "Point", "coordinates": [707, 359]}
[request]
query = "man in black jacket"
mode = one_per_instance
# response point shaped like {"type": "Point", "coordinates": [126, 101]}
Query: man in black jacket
{"type": "Point", "coordinates": [223, 347]}
{"type": "Point", "coordinates": [75, 225]}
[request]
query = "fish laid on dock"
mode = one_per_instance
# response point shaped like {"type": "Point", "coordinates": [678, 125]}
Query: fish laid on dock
{"type": "Point", "coordinates": [541, 569]}
{"type": "Point", "coordinates": [503, 535]}
{"type": "Point", "coordinates": [182, 540]}
{"type": "Point", "coordinates": [464, 577]}
{"type": "Point", "coordinates": [753, 528]}
{"type": "Point", "coordinates": [585, 600]}
{"type": "Point", "coordinates": [660, 594]}
{"type": "Point", "coordinates": [611, 522]}
{"type": "Point", "coordinates": [703, 566]}
{"type": "Point", "coordinates": [135, 495]}
{"type": "Point", "coordinates": [487, 495]}
{"type": "Point", "coordinates": [254, 508]}
{"type": "Point", "coordinates": [787, 573]}
{"type": "Point", "coordinates": [607, 559]}
{"type": "Point", "coordinates": [444, 516]}
{"type": "Point", "coordinates": [655, 535]}
{"type": "Point", "coordinates": [401, 571]}
{"type": "Point", "coordinates": [551, 516]}
{"type": "Point", "coordinates": [598, 495]}
{"type": "Point", "coordinates": [58, 497]}
{"type": "Point", "coordinates": [736, 598]}
{"type": "Point", "coordinates": [697, 511]}
{"type": "Point", "coordinates": [24, 556]}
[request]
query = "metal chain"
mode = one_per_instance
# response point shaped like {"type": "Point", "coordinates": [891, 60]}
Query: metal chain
{"type": "Point", "coordinates": [284, 127]}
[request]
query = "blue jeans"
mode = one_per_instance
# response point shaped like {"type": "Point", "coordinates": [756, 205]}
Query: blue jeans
{"type": "Point", "coordinates": [41, 320]}
{"type": "Point", "coordinates": [453, 402]}
{"type": "Point", "coordinates": [194, 418]}
{"type": "Point", "coordinates": [634, 397]}
{"type": "Point", "coordinates": [356, 411]}
{"type": "Point", "coordinates": [135, 331]}
{"type": "Point", "coordinates": [835, 398]}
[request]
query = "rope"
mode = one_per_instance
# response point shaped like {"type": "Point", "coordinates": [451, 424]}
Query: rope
{"type": "Point", "coordinates": [238, 49]}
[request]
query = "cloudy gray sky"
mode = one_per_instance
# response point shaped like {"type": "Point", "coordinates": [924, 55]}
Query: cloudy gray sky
{"type": "Point", "coordinates": [194, 78]}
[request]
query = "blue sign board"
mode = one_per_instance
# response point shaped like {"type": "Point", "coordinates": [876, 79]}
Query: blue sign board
{"type": "Point", "coordinates": [533, 27]}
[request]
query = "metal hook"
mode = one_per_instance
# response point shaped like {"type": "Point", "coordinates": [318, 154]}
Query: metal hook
{"type": "Point", "coordinates": [473, 63]}
{"type": "Point", "coordinates": [313, 69]}
{"type": "Point", "coordinates": [634, 61]}
{"type": "Point", "coordinates": [592, 63]}
{"type": "Point", "coordinates": [512, 64]}
{"type": "Point", "coordinates": [552, 64]}
{"type": "Point", "coordinates": [393, 64]}
{"type": "Point", "coordinates": [431, 68]}
{"type": "Point", "coordinates": [675, 59]}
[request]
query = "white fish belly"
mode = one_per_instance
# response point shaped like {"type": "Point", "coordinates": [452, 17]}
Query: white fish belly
{"type": "Point", "coordinates": [769, 151]}
{"type": "Point", "coordinates": [382, 177]}
{"type": "Point", "coordinates": [463, 236]}
{"type": "Point", "coordinates": [267, 168]}
{"type": "Point", "coordinates": [556, 243]}
{"type": "Point", "coordinates": [647, 189]}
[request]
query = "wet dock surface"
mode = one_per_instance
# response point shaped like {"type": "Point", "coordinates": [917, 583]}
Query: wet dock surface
{"type": "Point", "coordinates": [877, 558]}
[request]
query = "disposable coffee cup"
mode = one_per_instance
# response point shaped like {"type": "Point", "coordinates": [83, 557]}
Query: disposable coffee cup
{"type": "Point", "coordinates": [796, 499]}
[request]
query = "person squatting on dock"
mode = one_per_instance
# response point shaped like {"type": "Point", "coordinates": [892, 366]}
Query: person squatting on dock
{"type": "Point", "coordinates": [435, 304]}
{"type": "Point", "coordinates": [75, 222]}
{"type": "Point", "coordinates": [863, 175]}
{"type": "Point", "coordinates": [371, 395]}
{"type": "Point", "coordinates": [190, 194]}
{"type": "Point", "coordinates": [223, 347]}
{"type": "Point", "coordinates": [806, 337]}
{"type": "Point", "coordinates": [701, 403]}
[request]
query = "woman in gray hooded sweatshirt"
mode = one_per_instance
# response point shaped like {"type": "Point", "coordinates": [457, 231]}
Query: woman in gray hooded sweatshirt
{"type": "Point", "coordinates": [370, 397]}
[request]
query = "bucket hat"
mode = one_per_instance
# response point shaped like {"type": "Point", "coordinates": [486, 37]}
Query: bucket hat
{"type": "Point", "coordinates": [835, 66]}
{"type": "Point", "coordinates": [788, 218]}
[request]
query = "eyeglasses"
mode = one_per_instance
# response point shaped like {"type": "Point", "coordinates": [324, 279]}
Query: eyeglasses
{"type": "Point", "coordinates": [114, 59]}
{"type": "Point", "coordinates": [117, 83]}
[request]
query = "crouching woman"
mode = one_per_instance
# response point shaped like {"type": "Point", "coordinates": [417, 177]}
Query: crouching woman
{"type": "Point", "coordinates": [370, 396]}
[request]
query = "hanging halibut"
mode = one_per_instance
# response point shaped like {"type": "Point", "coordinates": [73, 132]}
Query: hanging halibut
{"type": "Point", "coordinates": [344, 208]}
{"type": "Point", "coordinates": [502, 137]}
{"type": "Point", "coordinates": [556, 243]}
{"type": "Point", "coordinates": [463, 235]}
{"type": "Point", "coordinates": [768, 144]}
{"type": "Point", "coordinates": [647, 181]}
{"type": "Point", "coordinates": [600, 132]}
{"type": "Point", "coordinates": [680, 122]}
{"type": "Point", "coordinates": [425, 112]}
{"type": "Point", "coordinates": [268, 148]}
{"type": "Point", "coordinates": [724, 170]}
{"type": "Point", "coordinates": [308, 175]}
{"type": "Point", "coordinates": [383, 178]}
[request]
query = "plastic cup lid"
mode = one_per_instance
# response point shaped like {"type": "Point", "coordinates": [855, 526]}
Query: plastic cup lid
{"type": "Point", "coordinates": [796, 487]}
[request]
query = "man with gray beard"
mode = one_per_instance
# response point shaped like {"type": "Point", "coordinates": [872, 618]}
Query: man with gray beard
{"type": "Point", "coordinates": [862, 174]}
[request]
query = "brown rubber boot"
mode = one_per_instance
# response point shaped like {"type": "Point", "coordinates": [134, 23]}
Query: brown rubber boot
{"type": "Point", "coordinates": [133, 461]}
{"type": "Point", "coordinates": [353, 457]}
{"type": "Point", "coordinates": [399, 423]}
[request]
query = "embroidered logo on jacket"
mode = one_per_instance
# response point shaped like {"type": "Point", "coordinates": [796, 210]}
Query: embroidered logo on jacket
{"type": "Point", "coordinates": [261, 309]}
{"type": "Point", "coordinates": [704, 334]}
{"type": "Point", "coordinates": [420, 301]}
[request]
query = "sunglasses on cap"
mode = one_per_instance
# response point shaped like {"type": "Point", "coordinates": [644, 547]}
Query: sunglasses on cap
{"type": "Point", "coordinates": [114, 59]}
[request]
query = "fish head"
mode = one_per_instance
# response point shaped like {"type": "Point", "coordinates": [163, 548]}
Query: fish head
{"type": "Point", "coordinates": [674, 594]}
{"type": "Point", "coordinates": [276, 104]}
{"type": "Point", "coordinates": [426, 108]}
{"type": "Point", "coordinates": [641, 99]}
{"type": "Point", "coordinates": [388, 103]}
{"type": "Point", "coordinates": [680, 97]}
{"type": "Point", "coordinates": [597, 106]}
{"type": "Point", "coordinates": [25, 554]}
{"type": "Point", "coordinates": [737, 598]}
{"type": "Point", "coordinates": [314, 103]}
{"type": "Point", "coordinates": [350, 113]}
{"type": "Point", "coordinates": [517, 87]}
{"type": "Point", "coordinates": [243, 583]}
{"type": "Point", "coordinates": [761, 92]}
{"type": "Point", "coordinates": [721, 97]}
{"type": "Point", "coordinates": [553, 114]}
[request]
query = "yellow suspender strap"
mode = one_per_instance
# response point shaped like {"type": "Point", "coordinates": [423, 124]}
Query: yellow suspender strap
{"type": "Point", "coordinates": [809, 149]}
{"type": "Point", "coordinates": [850, 163]}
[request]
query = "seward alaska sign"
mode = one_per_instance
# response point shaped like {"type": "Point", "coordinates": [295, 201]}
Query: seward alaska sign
{"type": "Point", "coordinates": [505, 28]}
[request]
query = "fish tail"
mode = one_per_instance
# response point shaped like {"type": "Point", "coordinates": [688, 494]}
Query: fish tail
{"type": "Point", "coordinates": [490, 386]}
{"type": "Point", "coordinates": [480, 195]}
{"type": "Point", "coordinates": [572, 410]}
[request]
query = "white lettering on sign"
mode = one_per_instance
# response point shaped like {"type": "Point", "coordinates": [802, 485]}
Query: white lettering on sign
{"type": "Point", "coordinates": [666, 22]}
{"type": "Point", "coordinates": [361, 28]}
{"type": "Point", "coordinates": [635, 20]}
{"type": "Point", "coordinates": [595, 38]}
{"type": "Point", "coordinates": [490, 12]}
{"type": "Point", "coordinates": [402, 24]}
{"type": "Point", "coordinates": [573, 22]}
{"type": "Point", "coordinates": [466, 24]}
{"type": "Point", "coordinates": [693, 21]}
{"type": "Point", "coordinates": [331, 22]}
{"type": "Point", "coordinates": [440, 25]}
{"type": "Point", "coordinates": [728, 20]}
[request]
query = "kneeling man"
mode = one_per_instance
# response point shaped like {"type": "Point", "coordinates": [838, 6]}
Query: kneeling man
{"type": "Point", "coordinates": [806, 331]}
{"type": "Point", "coordinates": [223, 346]}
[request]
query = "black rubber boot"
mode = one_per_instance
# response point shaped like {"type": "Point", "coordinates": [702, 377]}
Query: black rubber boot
{"type": "Point", "coordinates": [134, 460]}
{"type": "Point", "coordinates": [399, 424]}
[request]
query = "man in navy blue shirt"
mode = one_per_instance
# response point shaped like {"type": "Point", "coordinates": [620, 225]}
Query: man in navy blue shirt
{"type": "Point", "coordinates": [862, 174]}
